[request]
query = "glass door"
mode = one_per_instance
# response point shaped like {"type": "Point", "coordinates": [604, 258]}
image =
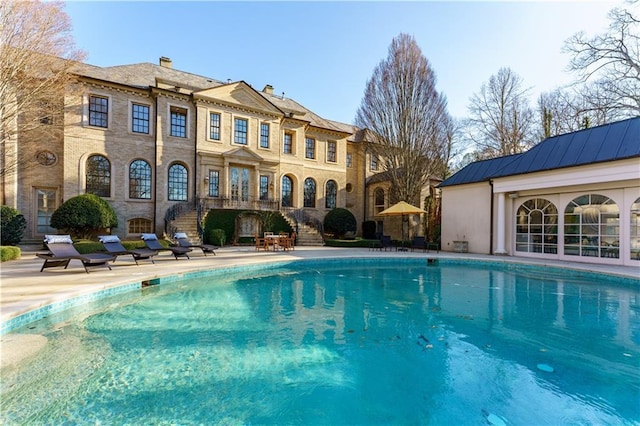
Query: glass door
{"type": "Point", "coordinates": [240, 186]}
{"type": "Point", "coordinates": [46, 201]}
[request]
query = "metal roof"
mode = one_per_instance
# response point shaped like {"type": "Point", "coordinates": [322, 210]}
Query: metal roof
{"type": "Point", "coordinates": [608, 142]}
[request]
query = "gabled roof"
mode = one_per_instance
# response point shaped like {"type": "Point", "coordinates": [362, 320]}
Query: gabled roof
{"type": "Point", "coordinates": [609, 142]}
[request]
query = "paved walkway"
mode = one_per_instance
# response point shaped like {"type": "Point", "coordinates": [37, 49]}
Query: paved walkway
{"type": "Point", "coordinates": [24, 288]}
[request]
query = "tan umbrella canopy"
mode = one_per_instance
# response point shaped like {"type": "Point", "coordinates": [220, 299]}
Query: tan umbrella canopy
{"type": "Point", "coordinates": [401, 209]}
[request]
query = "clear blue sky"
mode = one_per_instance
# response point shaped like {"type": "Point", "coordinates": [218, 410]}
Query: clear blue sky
{"type": "Point", "coordinates": [322, 53]}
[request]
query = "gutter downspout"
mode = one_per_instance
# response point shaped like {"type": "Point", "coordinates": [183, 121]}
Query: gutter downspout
{"type": "Point", "coordinates": [155, 160]}
{"type": "Point", "coordinates": [491, 219]}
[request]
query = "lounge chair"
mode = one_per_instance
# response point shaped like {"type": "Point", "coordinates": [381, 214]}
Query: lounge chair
{"type": "Point", "coordinates": [62, 251]}
{"type": "Point", "coordinates": [183, 241]}
{"type": "Point", "coordinates": [114, 246]}
{"type": "Point", "coordinates": [152, 243]}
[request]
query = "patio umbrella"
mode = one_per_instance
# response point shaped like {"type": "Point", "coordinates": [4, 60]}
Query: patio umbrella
{"type": "Point", "coordinates": [401, 209]}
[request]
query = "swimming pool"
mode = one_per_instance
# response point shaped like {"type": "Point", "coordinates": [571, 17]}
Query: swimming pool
{"type": "Point", "coordinates": [382, 341]}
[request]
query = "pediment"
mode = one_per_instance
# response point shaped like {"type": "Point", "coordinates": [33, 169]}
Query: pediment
{"type": "Point", "coordinates": [242, 154]}
{"type": "Point", "coordinates": [239, 95]}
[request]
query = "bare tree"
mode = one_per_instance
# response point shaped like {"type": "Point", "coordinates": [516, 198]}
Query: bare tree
{"type": "Point", "coordinates": [500, 119]}
{"type": "Point", "coordinates": [406, 118]}
{"type": "Point", "coordinates": [610, 64]}
{"type": "Point", "coordinates": [37, 53]}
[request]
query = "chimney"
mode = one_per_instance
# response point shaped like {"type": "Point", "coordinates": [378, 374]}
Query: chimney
{"type": "Point", "coordinates": [268, 89]}
{"type": "Point", "coordinates": [165, 62]}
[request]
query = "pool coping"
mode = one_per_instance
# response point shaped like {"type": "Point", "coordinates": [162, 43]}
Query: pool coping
{"type": "Point", "coordinates": [26, 297]}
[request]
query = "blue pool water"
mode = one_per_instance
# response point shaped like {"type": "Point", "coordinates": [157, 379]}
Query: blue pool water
{"type": "Point", "coordinates": [338, 343]}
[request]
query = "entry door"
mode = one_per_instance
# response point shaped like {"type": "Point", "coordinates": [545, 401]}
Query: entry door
{"type": "Point", "coordinates": [240, 185]}
{"type": "Point", "coordinates": [46, 202]}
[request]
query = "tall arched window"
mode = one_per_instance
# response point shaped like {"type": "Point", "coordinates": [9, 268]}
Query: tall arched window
{"type": "Point", "coordinates": [537, 227]}
{"type": "Point", "coordinates": [378, 200]}
{"type": "Point", "coordinates": [140, 180]}
{"type": "Point", "coordinates": [635, 230]}
{"type": "Point", "coordinates": [287, 191]}
{"type": "Point", "coordinates": [178, 182]}
{"type": "Point", "coordinates": [330, 194]}
{"type": "Point", "coordinates": [98, 176]}
{"type": "Point", "coordinates": [591, 227]}
{"type": "Point", "coordinates": [309, 192]}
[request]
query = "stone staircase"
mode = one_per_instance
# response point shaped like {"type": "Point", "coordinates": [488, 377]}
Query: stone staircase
{"type": "Point", "coordinates": [187, 222]}
{"type": "Point", "coordinates": [308, 236]}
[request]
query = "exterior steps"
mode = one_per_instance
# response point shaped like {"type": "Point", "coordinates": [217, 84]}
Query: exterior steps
{"type": "Point", "coordinates": [308, 236]}
{"type": "Point", "coordinates": [186, 222]}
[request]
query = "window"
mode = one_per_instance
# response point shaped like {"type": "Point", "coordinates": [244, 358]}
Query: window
{"type": "Point", "coordinates": [178, 122]}
{"type": "Point", "coordinates": [349, 160]}
{"type": "Point", "coordinates": [374, 162]}
{"type": "Point", "coordinates": [214, 183]}
{"type": "Point", "coordinates": [140, 118]}
{"type": "Point", "coordinates": [287, 145]}
{"type": "Point", "coordinates": [98, 176]}
{"type": "Point", "coordinates": [287, 191]}
{"type": "Point", "coordinates": [635, 230]}
{"type": "Point", "coordinates": [309, 192]}
{"type": "Point", "coordinates": [264, 187]}
{"type": "Point", "coordinates": [378, 200]}
{"type": "Point", "coordinates": [140, 180]}
{"type": "Point", "coordinates": [178, 182]}
{"type": "Point", "coordinates": [331, 193]}
{"type": "Point", "coordinates": [214, 126]}
{"type": "Point", "coordinates": [46, 204]}
{"type": "Point", "coordinates": [139, 225]}
{"type": "Point", "coordinates": [241, 126]}
{"type": "Point", "coordinates": [310, 148]}
{"type": "Point", "coordinates": [264, 135]}
{"type": "Point", "coordinates": [98, 111]}
{"type": "Point", "coordinates": [537, 227]}
{"type": "Point", "coordinates": [591, 227]}
{"type": "Point", "coordinates": [331, 151]}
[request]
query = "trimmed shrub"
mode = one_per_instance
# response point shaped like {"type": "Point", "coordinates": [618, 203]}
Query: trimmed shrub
{"type": "Point", "coordinates": [369, 229]}
{"type": "Point", "coordinates": [9, 253]}
{"type": "Point", "coordinates": [84, 215]}
{"type": "Point", "coordinates": [12, 225]}
{"type": "Point", "coordinates": [218, 236]}
{"type": "Point", "coordinates": [339, 221]}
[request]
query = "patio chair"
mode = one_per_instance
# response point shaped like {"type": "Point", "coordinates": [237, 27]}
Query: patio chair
{"type": "Point", "coordinates": [152, 243]}
{"type": "Point", "coordinates": [62, 251]}
{"type": "Point", "coordinates": [385, 242]}
{"type": "Point", "coordinates": [418, 243]}
{"type": "Point", "coordinates": [114, 246]}
{"type": "Point", "coordinates": [183, 241]}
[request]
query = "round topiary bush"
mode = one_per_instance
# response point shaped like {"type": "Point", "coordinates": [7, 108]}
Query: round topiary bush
{"type": "Point", "coordinates": [12, 225]}
{"type": "Point", "coordinates": [339, 221]}
{"type": "Point", "coordinates": [84, 215]}
{"type": "Point", "coordinates": [218, 237]}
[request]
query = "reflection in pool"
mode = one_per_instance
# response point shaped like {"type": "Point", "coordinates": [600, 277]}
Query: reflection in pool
{"type": "Point", "coordinates": [342, 342]}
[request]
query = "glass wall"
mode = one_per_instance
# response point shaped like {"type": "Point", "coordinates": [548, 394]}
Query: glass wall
{"type": "Point", "coordinates": [591, 227]}
{"type": "Point", "coordinates": [537, 227]}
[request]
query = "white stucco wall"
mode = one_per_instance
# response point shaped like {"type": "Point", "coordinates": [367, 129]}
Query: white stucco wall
{"type": "Point", "coordinates": [466, 215]}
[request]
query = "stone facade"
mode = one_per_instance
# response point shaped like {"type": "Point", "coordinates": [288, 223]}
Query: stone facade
{"type": "Point", "coordinates": [151, 137]}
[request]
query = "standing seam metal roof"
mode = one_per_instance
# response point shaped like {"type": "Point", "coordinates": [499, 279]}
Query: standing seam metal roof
{"type": "Point", "coordinates": [608, 142]}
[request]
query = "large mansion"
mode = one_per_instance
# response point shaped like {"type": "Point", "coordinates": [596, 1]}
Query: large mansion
{"type": "Point", "coordinates": [152, 139]}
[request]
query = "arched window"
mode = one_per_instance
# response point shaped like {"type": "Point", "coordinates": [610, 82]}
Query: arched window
{"type": "Point", "coordinates": [331, 193]}
{"type": "Point", "coordinates": [378, 200]}
{"type": "Point", "coordinates": [635, 230]}
{"type": "Point", "coordinates": [140, 180]}
{"type": "Point", "coordinates": [98, 176]}
{"type": "Point", "coordinates": [178, 182]}
{"type": "Point", "coordinates": [287, 191]}
{"type": "Point", "coordinates": [537, 227]}
{"type": "Point", "coordinates": [309, 192]}
{"type": "Point", "coordinates": [591, 227]}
